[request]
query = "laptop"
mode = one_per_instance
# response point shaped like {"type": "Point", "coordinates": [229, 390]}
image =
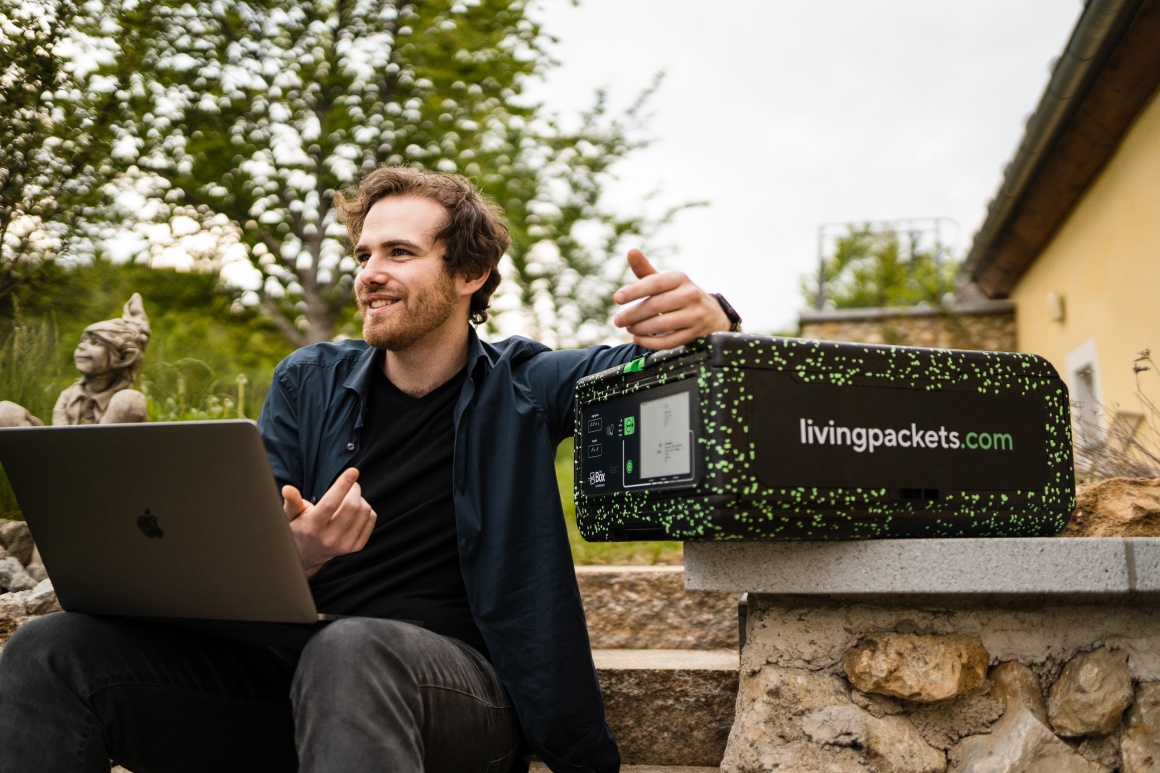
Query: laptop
{"type": "Point", "coordinates": [173, 521]}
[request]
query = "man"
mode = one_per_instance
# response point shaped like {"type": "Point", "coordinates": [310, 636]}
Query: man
{"type": "Point", "coordinates": [417, 472]}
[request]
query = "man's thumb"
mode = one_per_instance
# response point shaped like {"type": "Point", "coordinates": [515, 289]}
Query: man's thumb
{"type": "Point", "coordinates": [639, 264]}
{"type": "Point", "coordinates": [292, 502]}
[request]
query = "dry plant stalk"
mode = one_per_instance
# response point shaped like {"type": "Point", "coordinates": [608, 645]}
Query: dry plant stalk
{"type": "Point", "coordinates": [1129, 446]}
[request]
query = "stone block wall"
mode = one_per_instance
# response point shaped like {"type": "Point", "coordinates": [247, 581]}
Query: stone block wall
{"type": "Point", "coordinates": [986, 326]}
{"type": "Point", "coordinates": [25, 590]}
{"type": "Point", "coordinates": [948, 685]}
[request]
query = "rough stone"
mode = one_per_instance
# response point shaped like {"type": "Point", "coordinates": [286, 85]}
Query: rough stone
{"type": "Point", "coordinates": [17, 540]}
{"type": "Point", "coordinates": [891, 743]}
{"type": "Point", "coordinates": [648, 607]}
{"type": "Point", "coordinates": [1102, 750]}
{"type": "Point", "coordinates": [12, 605]}
{"type": "Point", "coordinates": [922, 668]}
{"type": "Point", "coordinates": [669, 707]}
{"type": "Point", "coordinates": [968, 326]}
{"type": "Point", "coordinates": [1116, 507]}
{"type": "Point", "coordinates": [1017, 685]}
{"type": "Point", "coordinates": [814, 634]}
{"type": "Point", "coordinates": [878, 705]}
{"type": "Point", "coordinates": [539, 767]}
{"type": "Point", "coordinates": [1140, 743]}
{"type": "Point", "coordinates": [944, 724]}
{"type": "Point", "coordinates": [1091, 694]}
{"type": "Point", "coordinates": [799, 757]}
{"type": "Point", "coordinates": [42, 599]}
{"type": "Point", "coordinates": [1019, 743]}
{"type": "Point", "coordinates": [13, 576]}
{"type": "Point", "coordinates": [35, 566]}
{"type": "Point", "coordinates": [767, 734]}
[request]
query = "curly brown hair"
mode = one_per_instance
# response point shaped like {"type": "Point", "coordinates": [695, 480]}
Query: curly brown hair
{"type": "Point", "coordinates": [475, 234]}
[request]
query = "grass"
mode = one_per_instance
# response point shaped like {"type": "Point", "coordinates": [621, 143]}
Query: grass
{"type": "Point", "coordinates": [584, 552]}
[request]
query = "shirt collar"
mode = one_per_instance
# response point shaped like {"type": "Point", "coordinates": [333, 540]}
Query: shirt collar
{"type": "Point", "coordinates": [478, 364]}
{"type": "Point", "coordinates": [359, 381]}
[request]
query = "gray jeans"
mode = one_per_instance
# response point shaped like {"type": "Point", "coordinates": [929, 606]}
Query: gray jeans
{"type": "Point", "coordinates": [365, 695]}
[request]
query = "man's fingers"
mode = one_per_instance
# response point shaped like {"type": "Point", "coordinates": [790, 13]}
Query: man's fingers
{"type": "Point", "coordinates": [365, 534]}
{"type": "Point", "coordinates": [639, 264]}
{"type": "Point", "coordinates": [649, 281]}
{"type": "Point", "coordinates": [337, 493]}
{"type": "Point", "coordinates": [663, 323]}
{"type": "Point", "coordinates": [679, 298]}
{"type": "Point", "coordinates": [347, 513]}
{"type": "Point", "coordinates": [292, 502]}
{"type": "Point", "coordinates": [668, 339]}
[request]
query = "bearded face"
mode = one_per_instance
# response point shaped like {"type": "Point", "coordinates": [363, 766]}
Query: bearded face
{"type": "Point", "coordinates": [397, 316]}
{"type": "Point", "coordinates": [403, 288]}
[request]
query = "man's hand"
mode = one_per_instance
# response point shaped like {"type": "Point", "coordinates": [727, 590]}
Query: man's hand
{"type": "Point", "coordinates": [338, 524]}
{"type": "Point", "coordinates": [674, 310]}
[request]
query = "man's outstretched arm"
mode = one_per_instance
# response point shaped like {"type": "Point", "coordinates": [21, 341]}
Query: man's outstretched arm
{"type": "Point", "coordinates": [671, 311]}
{"type": "Point", "coordinates": [674, 311]}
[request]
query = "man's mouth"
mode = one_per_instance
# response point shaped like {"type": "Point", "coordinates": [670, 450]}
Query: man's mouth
{"type": "Point", "coordinates": [379, 303]}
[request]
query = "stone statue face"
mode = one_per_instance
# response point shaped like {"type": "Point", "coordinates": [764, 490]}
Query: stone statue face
{"type": "Point", "coordinates": [92, 356]}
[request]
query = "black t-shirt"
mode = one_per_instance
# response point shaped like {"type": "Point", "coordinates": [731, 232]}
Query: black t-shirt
{"type": "Point", "coordinates": [409, 569]}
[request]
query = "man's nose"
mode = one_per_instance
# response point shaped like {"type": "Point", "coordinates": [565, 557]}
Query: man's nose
{"type": "Point", "coordinates": [375, 271]}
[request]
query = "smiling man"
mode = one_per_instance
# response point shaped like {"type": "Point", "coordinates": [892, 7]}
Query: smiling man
{"type": "Point", "coordinates": [417, 468]}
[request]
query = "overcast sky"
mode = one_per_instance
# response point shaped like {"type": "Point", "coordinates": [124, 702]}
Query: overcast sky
{"type": "Point", "coordinates": [787, 115]}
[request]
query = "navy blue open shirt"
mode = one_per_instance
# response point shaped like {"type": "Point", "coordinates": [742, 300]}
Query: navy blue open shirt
{"type": "Point", "coordinates": [514, 409]}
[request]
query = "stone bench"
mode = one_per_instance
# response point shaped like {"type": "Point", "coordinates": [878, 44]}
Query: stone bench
{"type": "Point", "coordinates": [929, 655]}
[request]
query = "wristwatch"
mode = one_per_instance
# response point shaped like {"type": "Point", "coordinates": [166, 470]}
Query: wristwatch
{"type": "Point", "coordinates": [730, 312]}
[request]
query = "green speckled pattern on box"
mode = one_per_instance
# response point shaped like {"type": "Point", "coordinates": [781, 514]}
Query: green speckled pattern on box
{"type": "Point", "coordinates": [732, 499]}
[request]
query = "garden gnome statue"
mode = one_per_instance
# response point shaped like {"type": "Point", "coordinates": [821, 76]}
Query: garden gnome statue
{"type": "Point", "coordinates": [107, 357]}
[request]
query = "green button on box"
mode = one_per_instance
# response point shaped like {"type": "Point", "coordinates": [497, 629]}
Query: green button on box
{"type": "Point", "coordinates": [629, 425]}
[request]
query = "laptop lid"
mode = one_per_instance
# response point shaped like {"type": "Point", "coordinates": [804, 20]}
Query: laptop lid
{"type": "Point", "coordinates": [164, 520]}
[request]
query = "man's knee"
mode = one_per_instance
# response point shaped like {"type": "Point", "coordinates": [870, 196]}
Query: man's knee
{"type": "Point", "coordinates": [365, 635]}
{"type": "Point", "coordinates": [50, 647]}
{"type": "Point", "coordinates": [359, 653]}
{"type": "Point", "coordinates": [42, 638]}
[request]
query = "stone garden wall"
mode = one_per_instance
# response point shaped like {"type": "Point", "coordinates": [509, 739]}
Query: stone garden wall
{"type": "Point", "coordinates": [984, 325]}
{"type": "Point", "coordinates": [946, 686]}
{"type": "Point", "coordinates": [996, 656]}
{"type": "Point", "coordinates": [25, 590]}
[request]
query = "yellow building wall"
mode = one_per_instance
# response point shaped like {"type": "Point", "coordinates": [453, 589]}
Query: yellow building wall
{"type": "Point", "coordinates": [1105, 264]}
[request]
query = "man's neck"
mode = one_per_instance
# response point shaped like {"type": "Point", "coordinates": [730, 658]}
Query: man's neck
{"type": "Point", "coordinates": [424, 367]}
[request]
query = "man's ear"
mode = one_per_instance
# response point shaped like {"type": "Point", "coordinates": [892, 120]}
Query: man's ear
{"type": "Point", "coordinates": [469, 286]}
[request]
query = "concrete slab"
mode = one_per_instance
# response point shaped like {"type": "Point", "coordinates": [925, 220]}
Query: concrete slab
{"type": "Point", "coordinates": [1049, 566]}
{"type": "Point", "coordinates": [667, 660]}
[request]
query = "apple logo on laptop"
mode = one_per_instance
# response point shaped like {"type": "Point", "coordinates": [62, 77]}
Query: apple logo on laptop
{"type": "Point", "coordinates": [148, 525]}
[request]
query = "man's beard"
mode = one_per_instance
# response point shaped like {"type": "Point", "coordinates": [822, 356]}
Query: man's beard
{"type": "Point", "coordinates": [423, 311]}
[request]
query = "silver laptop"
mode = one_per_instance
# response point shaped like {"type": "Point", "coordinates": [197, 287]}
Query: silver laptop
{"type": "Point", "coordinates": [179, 521]}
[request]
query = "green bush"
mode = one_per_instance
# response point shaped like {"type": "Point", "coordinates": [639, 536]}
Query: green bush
{"type": "Point", "coordinates": [29, 376]}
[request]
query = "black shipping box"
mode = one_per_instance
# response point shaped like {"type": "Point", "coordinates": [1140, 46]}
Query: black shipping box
{"type": "Point", "coordinates": [751, 437]}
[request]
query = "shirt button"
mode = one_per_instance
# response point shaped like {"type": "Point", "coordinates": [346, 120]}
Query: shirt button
{"type": "Point", "coordinates": [350, 446]}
